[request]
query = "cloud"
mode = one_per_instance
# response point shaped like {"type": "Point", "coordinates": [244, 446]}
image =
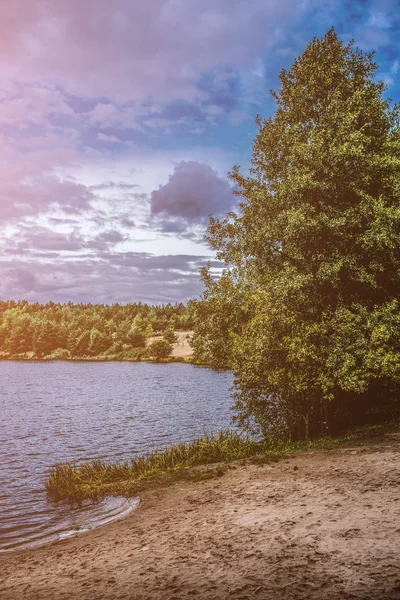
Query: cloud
{"type": "Point", "coordinates": [106, 240]}
{"type": "Point", "coordinates": [130, 48]}
{"type": "Point", "coordinates": [108, 114]}
{"type": "Point", "coordinates": [22, 197]}
{"type": "Point", "coordinates": [395, 67]}
{"type": "Point", "coordinates": [122, 278]}
{"type": "Point", "coordinates": [115, 185]}
{"type": "Point", "coordinates": [192, 193]}
{"type": "Point", "coordinates": [33, 104]}
{"type": "Point", "coordinates": [34, 240]}
{"type": "Point", "coordinates": [89, 92]}
{"type": "Point", "coordinates": [102, 137]}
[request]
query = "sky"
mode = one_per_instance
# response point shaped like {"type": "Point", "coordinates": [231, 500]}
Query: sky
{"type": "Point", "coordinates": [119, 121]}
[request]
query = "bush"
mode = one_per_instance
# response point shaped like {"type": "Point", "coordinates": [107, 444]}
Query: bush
{"type": "Point", "coordinates": [160, 349]}
{"type": "Point", "coordinates": [170, 336]}
{"type": "Point", "coordinates": [59, 354]}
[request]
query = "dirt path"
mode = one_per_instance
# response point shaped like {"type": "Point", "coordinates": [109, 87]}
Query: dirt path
{"type": "Point", "coordinates": [317, 526]}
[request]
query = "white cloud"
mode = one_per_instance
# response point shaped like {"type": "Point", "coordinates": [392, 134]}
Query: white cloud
{"type": "Point", "coordinates": [108, 138]}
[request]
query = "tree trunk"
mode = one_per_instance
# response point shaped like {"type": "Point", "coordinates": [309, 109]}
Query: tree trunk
{"type": "Point", "coordinates": [307, 423]}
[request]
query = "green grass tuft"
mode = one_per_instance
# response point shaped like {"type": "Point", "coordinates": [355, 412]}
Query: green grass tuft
{"type": "Point", "coordinates": [96, 478]}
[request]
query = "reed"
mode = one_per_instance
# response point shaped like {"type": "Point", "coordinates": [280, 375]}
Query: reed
{"type": "Point", "coordinates": [96, 478]}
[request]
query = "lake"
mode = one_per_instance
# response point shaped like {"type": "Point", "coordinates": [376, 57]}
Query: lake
{"type": "Point", "coordinates": [53, 412]}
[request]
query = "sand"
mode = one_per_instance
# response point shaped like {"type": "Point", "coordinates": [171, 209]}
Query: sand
{"type": "Point", "coordinates": [181, 348]}
{"type": "Point", "coordinates": [321, 525]}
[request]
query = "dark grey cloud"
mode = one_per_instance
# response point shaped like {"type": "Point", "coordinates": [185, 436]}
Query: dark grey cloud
{"type": "Point", "coordinates": [110, 278]}
{"type": "Point", "coordinates": [105, 240]}
{"type": "Point", "coordinates": [185, 263]}
{"type": "Point", "coordinates": [127, 222]}
{"type": "Point", "coordinates": [192, 193]}
{"type": "Point", "coordinates": [34, 240]}
{"type": "Point", "coordinates": [19, 198]}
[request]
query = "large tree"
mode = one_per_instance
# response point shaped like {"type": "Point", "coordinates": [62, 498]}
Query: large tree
{"type": "Point", "coordinates": [311, 285]}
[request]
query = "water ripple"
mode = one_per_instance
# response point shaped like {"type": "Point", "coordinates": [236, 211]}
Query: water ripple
{"type": "Point", "coordinates": [56, 412]}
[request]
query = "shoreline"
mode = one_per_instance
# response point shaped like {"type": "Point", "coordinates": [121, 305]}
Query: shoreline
{"type": "Point", "coordinates": [317, 525]}
{"type": "Point", "coordinates": [133, 503]}
{"type": "Point", "coordinates": [181, 352]}
{"type": "Point", "coordinates": [93, 359]}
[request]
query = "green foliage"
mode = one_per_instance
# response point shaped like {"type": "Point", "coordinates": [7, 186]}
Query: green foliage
{"type": "Point", "coordinates": [45, 339]}
{"type": "Point", "coordinates": [218, 317]}
{"type": "Point", "coordinates": [98, 342]}
{"type": "Point", "coordinates": [160, 349]}
{"type": "Point", "coordinates": [59, 354]}
{"type": "Point", "coordinates": [149, 331]}
{"type": "Point", "coordinates": [136, 338]}
{"type": "Point", "coordinates": [170, 335]}
{"type": "Point", "coordinates": [84, 331]}
{"type": "Point", "coordinates": [307, 311]}
{"type": "Point", "coordinates": [97, 478]}
{"type": "Point", "coordinates": [16, 333]}
{"type": "Point", "coordinates": [80, 346]}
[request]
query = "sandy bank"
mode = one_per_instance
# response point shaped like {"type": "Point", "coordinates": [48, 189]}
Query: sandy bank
{"type": "Point", "coordinates": [181, 348]}
{"type": "Point", "coordinates": [316, 526]}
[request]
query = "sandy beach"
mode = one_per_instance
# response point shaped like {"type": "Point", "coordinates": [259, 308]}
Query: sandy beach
{"type": "Point", "coordinates": [322, 525]}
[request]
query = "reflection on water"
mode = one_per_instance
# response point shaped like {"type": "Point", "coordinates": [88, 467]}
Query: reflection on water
{"type": "Point", "coordinates": [59, 411]}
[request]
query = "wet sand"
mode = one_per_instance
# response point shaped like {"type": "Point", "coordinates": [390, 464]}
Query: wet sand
{"type": "Point", "coordinates": [322, 525]}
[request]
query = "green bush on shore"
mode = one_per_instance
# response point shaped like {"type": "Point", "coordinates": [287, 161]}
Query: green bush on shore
{"type": "Point", "coordinates": [58, 354]}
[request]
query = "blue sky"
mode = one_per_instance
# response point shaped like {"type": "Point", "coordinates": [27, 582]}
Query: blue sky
{"type": "Point", "coordinates": [119, 122]}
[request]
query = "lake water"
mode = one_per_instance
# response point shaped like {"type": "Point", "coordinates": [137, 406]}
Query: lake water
{"type": "Point", "coordinates": [61, 411]}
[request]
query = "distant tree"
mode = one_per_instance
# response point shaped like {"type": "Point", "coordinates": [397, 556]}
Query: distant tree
{"type": "Point", "coordinates": [80, 346]}
{"type": "Point", "coordinates": [160, 349]}
{"type": "Point", "coordinates": [59, 354]}
{"type": "Point", "coordinates": [136, 338]}
{"type": "Point", "coordinates": [116, 348]}
{"type": "Point", "coordinates": [149, 331]}
{"type": "Point", "coordinates": [45, 338]}
{"type": "Point", "coordinates": [99, 342]}
{"type": "Point", "coordinates": [139, 323]}
{"type": "Point", "coordinates": [170, 336]}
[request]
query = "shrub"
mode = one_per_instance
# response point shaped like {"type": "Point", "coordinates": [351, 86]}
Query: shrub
{"type": "Point", "coordinates": [160, 349]}
{"type": "Point", "coordinates": [59, 354]}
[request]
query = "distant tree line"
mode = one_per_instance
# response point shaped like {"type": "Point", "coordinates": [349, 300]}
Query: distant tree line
{"type": "Point", "coordinates": [70, 330]}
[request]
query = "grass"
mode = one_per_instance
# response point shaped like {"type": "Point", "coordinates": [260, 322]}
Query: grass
{"type": "Point", "coordinates": [186, 461]}
{"type": "Point", "coordinates": [97, 478]}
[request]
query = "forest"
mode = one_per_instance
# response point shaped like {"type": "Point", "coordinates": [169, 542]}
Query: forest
{"type": "Point", "coordinates": [71, 331]}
